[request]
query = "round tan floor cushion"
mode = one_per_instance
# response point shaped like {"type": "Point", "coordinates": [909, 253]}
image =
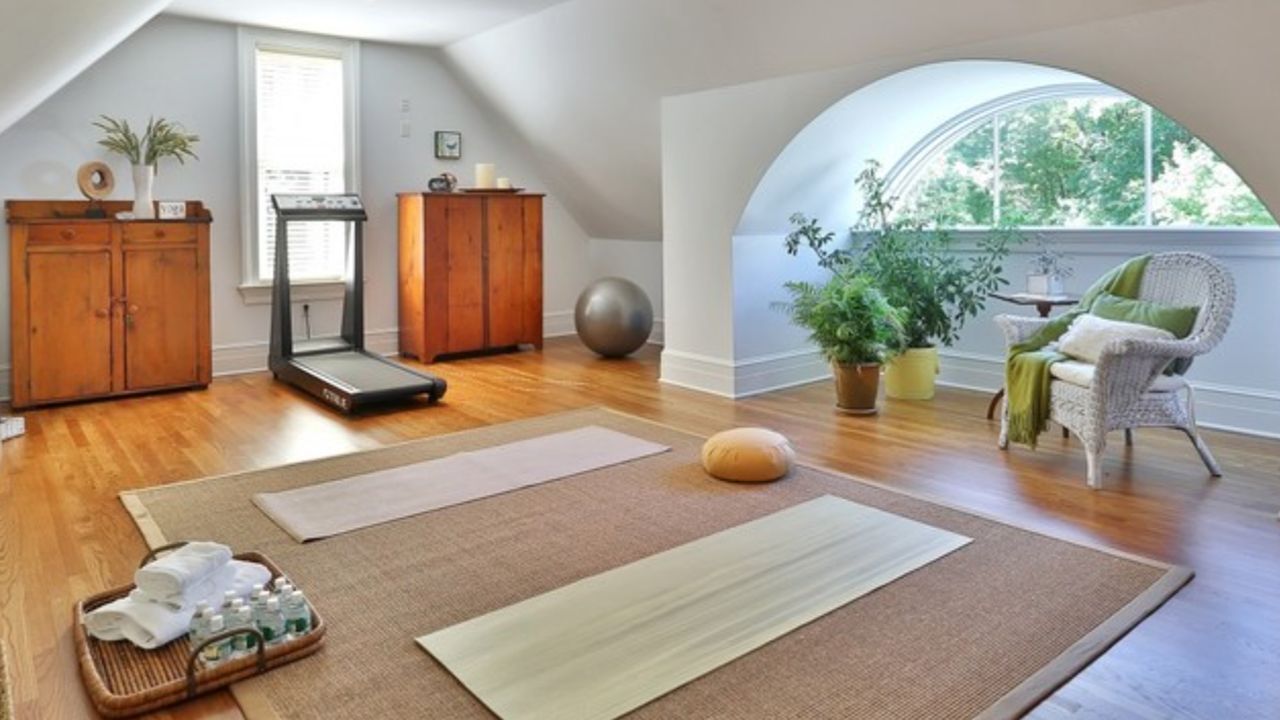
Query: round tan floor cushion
{"type": "Point", "coordinates": [748, 455]}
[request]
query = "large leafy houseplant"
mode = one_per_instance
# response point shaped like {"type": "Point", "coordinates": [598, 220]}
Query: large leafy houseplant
{"type": "Point", "coordinates": [854, 326]}
{"type": "Point", "coordinates": [916, 266]}
{"type": "Point", "coordinates": [847, 317]}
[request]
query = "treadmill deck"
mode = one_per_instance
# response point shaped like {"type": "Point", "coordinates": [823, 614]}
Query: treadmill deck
{"type": "Point", "coordinates": [362, 373]}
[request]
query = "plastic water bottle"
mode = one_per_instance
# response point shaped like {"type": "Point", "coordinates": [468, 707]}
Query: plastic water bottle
{"type": "Point", "coordinates": [199, 628]}
{"type": "Point", "coordinates": [271, 622]}
{"type": "Point", "coordinates": [297, 616]}
{"type": "Point", "coordinates": [243, 643]}
{"type": "Point", "coordinates": [215, 652]}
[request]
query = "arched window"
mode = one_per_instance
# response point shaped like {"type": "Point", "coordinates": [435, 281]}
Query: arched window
{"type": "Point", "coordinates": [1073, 156]}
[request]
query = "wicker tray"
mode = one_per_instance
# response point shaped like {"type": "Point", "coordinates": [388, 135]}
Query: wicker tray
{"type": "Point", "coordinates": [123, 680]}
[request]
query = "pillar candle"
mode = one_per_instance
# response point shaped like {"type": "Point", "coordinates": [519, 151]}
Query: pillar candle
{"type": "Point", "coordinates": [485, 173]}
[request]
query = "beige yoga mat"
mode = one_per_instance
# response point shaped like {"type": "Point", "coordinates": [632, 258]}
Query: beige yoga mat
{"type": "Point", "coordinates": [985, 632]}
{"type": "Point", "coordinates": [340, 506]}
{"type": "Point", "coordinates": [607, 644]}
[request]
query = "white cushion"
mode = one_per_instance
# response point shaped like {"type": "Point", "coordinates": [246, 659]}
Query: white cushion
{"type": "Point", "coordinates": [1081, 374]}
{"type": "Point", "coordinates": [1089, 334]}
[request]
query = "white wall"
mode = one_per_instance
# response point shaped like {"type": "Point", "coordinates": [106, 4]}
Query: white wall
{"type": "Point", "coordinates": [45, 43]}
{"type": "Point", "coordinates": [583, 80]}
{"type": "Point", "coordinates": [186, 70]}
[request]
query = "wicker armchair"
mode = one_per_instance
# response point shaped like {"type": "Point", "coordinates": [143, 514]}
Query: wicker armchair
{"type": "Point", "coordinates": [1128, 389]}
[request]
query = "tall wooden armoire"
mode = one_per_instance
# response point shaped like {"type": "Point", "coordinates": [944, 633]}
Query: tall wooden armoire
{"type": "Point", "coordinates": [470, 272]}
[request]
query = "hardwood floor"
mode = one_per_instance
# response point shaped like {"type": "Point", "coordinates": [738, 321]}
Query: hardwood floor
{"type": "Point", "coordinates": [1212, 652]}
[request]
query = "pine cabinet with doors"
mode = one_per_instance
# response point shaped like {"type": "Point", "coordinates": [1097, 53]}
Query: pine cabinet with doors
{"type": "Point", "coordinates": [470, 272]}
{"type": "Point", "coordinates": [100, 307]}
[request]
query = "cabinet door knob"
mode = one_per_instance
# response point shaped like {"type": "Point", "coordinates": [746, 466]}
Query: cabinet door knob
{"type": "Point", "coordinates": [100, 313]}
{"type": "Point", "coordinates": [68, 234]}
{"type": "Point", "coordinates": [133, 309]}
{"type": "Point", "coordinates": [159, 233]}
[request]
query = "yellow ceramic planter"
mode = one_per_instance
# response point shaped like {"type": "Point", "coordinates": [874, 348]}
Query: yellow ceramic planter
{"type": "Point", "coordinates": [911, 375]}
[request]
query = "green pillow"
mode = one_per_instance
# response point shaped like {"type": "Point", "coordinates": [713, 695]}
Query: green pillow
{"type": "Point", "coordinates": [1177, 320]}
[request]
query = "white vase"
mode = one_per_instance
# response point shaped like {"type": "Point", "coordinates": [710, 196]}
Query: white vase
{"type": "Point", "coordinates": [144, 176]}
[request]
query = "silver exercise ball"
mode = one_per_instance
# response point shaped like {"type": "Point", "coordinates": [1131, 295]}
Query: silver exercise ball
{"type": "Point", "coordinates": [613, 317]}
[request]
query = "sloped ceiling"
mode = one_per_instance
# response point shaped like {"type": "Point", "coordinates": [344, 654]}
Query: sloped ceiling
{"type": "Point", "coordinates": [418, 22]}
{"type": "Point", "coordinates": [46, 43]}
{"type": "Point", "coordinates": [583, 80]}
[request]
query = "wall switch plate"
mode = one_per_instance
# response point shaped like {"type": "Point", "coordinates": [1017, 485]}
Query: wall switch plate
{"type": "Point", "coordinates": [406, 129]}
{"type": "Point", "coordinates": [404, 105]}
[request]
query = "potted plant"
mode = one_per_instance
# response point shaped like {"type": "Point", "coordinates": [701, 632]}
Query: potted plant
{"type": "Point", "coordinates": [919, 271]}
{"type": "Point", "coordinates": [162, 139]}
{"type": "Point", "coordinates": [1048, 269]}
{"type": "Point", "coordinates": [855, 327]}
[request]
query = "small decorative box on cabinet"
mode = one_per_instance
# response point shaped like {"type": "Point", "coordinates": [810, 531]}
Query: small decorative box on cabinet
{"type": "Point", "coordinates": [470, 272]}
{"type": "Point", "coordinates": [101, 307]}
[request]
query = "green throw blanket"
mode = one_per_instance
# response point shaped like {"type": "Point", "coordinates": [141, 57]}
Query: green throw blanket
{"type": "Point", "coordinates": [1026, 372]}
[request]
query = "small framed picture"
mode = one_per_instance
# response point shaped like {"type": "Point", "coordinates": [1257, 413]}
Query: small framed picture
{"type": "Point", "coordinates": [448, 144]}
{"type": "Point", "coordinates": [171, 209]}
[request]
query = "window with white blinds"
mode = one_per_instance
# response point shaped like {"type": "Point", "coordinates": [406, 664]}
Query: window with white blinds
{"type": "Point", "coordinates": [300, 141]}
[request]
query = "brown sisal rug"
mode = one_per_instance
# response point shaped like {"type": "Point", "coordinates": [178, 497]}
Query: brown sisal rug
{"type": "Point", "coordinates": [986, 631]}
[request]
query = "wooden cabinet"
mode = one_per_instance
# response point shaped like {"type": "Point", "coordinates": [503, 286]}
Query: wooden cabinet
{"type": "Point", "coordinates": [102, 308]}
{"type": "Point", "coordinates": [470, 272]}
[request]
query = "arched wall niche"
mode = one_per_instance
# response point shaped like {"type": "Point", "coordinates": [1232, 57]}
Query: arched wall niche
{"type": "Point", "coordinates": [737, 162]}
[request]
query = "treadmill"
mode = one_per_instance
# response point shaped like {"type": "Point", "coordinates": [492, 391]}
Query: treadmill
{"type": "Point", "coordinates": [338, 371]}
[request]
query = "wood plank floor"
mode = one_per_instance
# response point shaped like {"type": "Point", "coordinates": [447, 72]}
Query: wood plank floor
{"type": "Point", "coordinates": [1211, 652]}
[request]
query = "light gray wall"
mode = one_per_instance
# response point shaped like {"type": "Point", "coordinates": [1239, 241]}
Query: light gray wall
{"type": "Point", "coordinates": [583, 80]}
{"type": "Point", "coordinates": [186, 70]}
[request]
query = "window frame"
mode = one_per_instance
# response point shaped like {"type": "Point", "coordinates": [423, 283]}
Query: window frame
{"type": "Point", "coordinates": [253, 289]}
{"type": "Point", "coordinates": [907, 171]}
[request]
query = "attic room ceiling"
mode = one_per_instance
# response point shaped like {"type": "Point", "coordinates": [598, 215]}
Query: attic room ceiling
{"type": "Point", "coordinates": [422, 22]}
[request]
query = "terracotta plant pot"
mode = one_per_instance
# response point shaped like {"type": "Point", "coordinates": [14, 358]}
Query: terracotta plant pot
{"type": "Point", "coordinates": [911, 375]}
{"type": "Point", "coordinates": [857, 387]}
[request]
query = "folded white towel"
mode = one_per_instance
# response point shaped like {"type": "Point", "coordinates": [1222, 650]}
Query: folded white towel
{"type": "Point", "coordinates": [149, 624]}
{"type": "Point", "coordinates": [174, 574]}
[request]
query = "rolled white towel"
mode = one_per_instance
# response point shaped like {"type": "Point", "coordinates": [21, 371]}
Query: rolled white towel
{"type": "Point", "coordinates": [145, 624]}
{"type": "Point", "coordinates": [173, 574]}
{"type": "Point", "coordinates": [149, 624]}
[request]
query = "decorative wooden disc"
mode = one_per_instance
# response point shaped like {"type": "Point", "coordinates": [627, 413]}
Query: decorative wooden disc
{"type": "Point", "coordinates": [96, 180]}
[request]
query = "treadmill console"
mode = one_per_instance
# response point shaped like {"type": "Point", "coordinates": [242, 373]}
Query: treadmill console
{"type": "Point", "coordinates": [324, 207]}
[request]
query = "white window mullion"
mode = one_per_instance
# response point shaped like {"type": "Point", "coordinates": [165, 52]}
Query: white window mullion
{"type": "Point", "coordinates": [1148, 126]}
{"type": "Point", "coordinates": [996, 169]}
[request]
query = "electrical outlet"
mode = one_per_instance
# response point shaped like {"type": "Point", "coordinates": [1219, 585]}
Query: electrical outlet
{"type": "Point", "coordinates": [406, 129]}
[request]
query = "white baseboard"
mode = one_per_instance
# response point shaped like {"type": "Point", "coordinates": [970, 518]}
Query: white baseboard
{"type": "Point", "coordinates": [239, 358]}
{"type": "Point", "coordinates": [697, 372]}
{"type": "Point", "coordinates": [557, 324]}
{"type": "Point", "coordinates": [1250, 411]}
{"type": "Point", "coordinates": [560, 324]}
{"type": "Point", "coordinates": [743, 378]}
